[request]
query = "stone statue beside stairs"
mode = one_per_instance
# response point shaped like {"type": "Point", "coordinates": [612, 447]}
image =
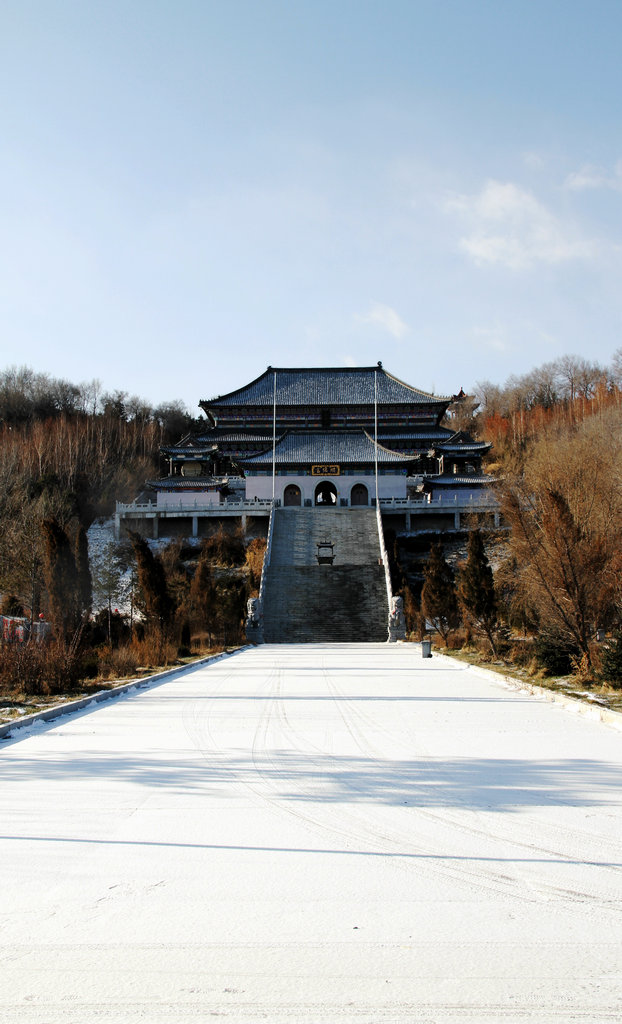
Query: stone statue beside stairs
{"type": "Point", "coordinates": [254, 621]}
{"type": "Point", "coordinates": [397, 622]}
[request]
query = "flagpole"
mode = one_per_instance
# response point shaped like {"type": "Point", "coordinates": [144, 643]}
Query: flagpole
{"type": "Point", "coordinates": [274, 440]}
{"type": "Point", "coordinates": [376, 431]}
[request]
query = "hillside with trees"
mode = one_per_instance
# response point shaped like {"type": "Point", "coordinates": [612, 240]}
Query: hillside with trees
{"type": "Point", "coordinates": [557, 582]}
{"type": "Point", "coordinates": [68, 452]}
{"type": "Point", "coordinates": [557, 435]}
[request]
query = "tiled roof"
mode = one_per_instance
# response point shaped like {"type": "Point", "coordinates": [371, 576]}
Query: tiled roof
{"type": "Point", "coordinates": [175, 449]}
{"type": "Point", "coordinates": [220, 437]}
{"type": "Point", "coordinates": [448, 479]}
{"type": "Point", "coordinates": [186, 483]}
{"type": "Point", "coordinates": [439, 434]}
{"type": "Point", "coordinates": [326, 386]}
{"type": "Point", "coordinates": [464, 449]}
{"type": "Point", "coordinates": [328, 447]}
{"type": "Point", "coordinates": [190, 442]}
{"type": "Point", "coordinates": [208, 442]}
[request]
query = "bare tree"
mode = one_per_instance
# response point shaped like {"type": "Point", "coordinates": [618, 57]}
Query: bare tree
{"type": "Point", "coordinates": [491, 397]}
{"type": "Point", "coordinates": [565, 515]}
{"type": "Point", "coordinates": [616, 368]}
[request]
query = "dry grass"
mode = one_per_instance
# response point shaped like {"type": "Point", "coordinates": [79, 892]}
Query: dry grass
{"type": "Point", "coordinates": [121, 664]}
{"type": "Point", "coordinates": [532, 673]}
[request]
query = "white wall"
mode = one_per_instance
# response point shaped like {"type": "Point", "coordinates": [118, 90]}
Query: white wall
{"type": "Point", "coordinates": [388, 486]}
{"type": "Point", "coordinates": [173, 499]}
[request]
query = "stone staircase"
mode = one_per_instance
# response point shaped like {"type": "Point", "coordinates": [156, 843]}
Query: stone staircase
{"type": "Point", "coordinates": [305, 602]}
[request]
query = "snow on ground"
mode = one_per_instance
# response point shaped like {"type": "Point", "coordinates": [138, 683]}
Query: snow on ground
{"type": "Point", "coordinates": [102, 542]}
{"type": "Point", "coordinates": [316, 834]}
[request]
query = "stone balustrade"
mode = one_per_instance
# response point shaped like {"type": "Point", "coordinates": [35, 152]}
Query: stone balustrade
{"type": "Point", "coordinates": [411, 508]}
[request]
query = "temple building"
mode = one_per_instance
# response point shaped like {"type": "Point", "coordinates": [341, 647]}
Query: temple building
{"type": "Point", "coordinates": [329, 436]}
{"type": "Point", "coordinates": [320, 462]}
{"type": "Point", "coordinates": [332, 438]}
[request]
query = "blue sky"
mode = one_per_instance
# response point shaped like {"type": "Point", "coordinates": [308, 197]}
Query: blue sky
{"type": "Point", "coordinates": [194, 190]}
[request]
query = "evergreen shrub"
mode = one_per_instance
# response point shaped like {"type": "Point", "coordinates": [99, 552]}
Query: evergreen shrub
{"type": "Point", "coordinates": [611, 661]}
{"type": "Point", "coordinates": [555, 655]}
{"type": "Point", "coordinates": [184, 640]}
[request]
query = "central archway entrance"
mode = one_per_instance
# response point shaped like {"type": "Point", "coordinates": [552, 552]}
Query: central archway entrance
{"type": "Point", "coordinates": [292, 495]}
{"type": "Point", "coordinates": [326, 494]}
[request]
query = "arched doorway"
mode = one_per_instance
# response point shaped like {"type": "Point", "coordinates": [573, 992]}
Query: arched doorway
{"type": "Point", "coordinates": [292, 495]}
{"type": "Point", "coordinates": [359, 495]}
{"type": "Point", "coordinates": [326, 494]}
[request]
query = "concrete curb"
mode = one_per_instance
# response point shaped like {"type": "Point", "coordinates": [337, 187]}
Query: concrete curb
{"type": "Point", "coordinates": [573, 704]}
{"type": "Point", "coordinates": [60, 710]}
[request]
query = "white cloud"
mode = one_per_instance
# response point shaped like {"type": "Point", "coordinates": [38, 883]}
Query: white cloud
{"type": "Point", "coordinates": [533, 160]}
{"type": "Point", "coordinates": [491, 338]}
{"type": "Point", "coordinates": [509, 339]}
{"type": "Point", "coordinates": [507, 225]}
{"type": "Point", "coordinates": [591, 176]}
{"type": "Point", "coordinates": [385, 318]}
{"type": "Point", "coordinates": [349, 361]}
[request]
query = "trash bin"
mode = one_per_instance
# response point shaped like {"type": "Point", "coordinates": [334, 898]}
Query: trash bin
{"type": "Point", "coordinates": [426, 648]}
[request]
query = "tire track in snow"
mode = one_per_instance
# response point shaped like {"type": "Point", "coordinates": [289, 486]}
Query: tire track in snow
{"type": "Point", "coordinates": [282, 783]}
{"type": "Point", "coordinates": [358, 833]}
{"type": "Point", "coordinates": [501, 834]}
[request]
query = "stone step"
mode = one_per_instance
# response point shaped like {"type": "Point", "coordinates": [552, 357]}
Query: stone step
{"type": "Point", "coordinates": [305, 602]}
{"type": "Point", "coordinates": [352, 532]}
{"type": "Point", "coordinates": [324, 603]}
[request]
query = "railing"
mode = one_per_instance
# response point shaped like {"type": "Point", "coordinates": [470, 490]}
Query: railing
{"type": "Point", "coordinates": [265, 505]}
{"type": "Point", "coordinates": [151, 507]}
{"type": "Point", "coordinates": [385, 559]}
{"type": "Point", "coordinates": [454, 502]}
{"type": "Point", "coordinates": [266, 558]}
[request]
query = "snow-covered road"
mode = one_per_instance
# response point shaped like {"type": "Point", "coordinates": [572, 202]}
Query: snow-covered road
{"type": "Point", "coordinates": [318, 834]}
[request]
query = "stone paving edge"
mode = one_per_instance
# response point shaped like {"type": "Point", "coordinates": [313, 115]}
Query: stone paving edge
{"type": "Point", "coordinates": [573, 704]}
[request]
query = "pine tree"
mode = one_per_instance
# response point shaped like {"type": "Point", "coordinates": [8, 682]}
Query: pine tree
{"type": "Point", "coordinates": [83, 571]}
{"type": "Point", "coordinates": [476, 588]}
{"type": "Point", "coordinates": [202, 592]}
{"type": "Point", "coordinates": [218, 607]}
{"type": "Point", "coordinates": [61, 578]}
{"type": "Point", "coordinates": [611, 659]}
{"type": "Point", "coordinates": [438, 597]}
{"type": "Point", "coordinates": [152, 579]}
{"type": "Point", "coordinates": [109, 569]}
{"type": "Point", "coordinates": [203, 598]}
{"type": "Point", "coordinates": [412, 611]}
{"type": "Point", "coordinates": [229, 606]}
